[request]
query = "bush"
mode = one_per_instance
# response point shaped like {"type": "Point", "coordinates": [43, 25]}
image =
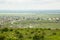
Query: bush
{"type": "Point", "coordinates": [11, 29]}
{"type": "Point", "coordinates": [4, 30]}
{"type": "Point", "coordinates": [2, 37]}
{"type": "Point", "coordinates": [19, 35]}
{"type": "Point", "coordinates": [32, 32]}
{"type": "Point", "coordinates": [38, 37]}
{"type": "Point", "coordinates": [54, 33]}
{"type": "Point", "coordinates": [49, 28]}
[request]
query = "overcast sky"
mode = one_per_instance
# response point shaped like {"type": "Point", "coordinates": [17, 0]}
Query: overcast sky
{"type": "Point", "coordinates": [29, 4]}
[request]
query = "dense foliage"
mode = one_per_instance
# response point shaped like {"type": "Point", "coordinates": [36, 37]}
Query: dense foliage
{"type": "Point", "coordinates": [29, 34]}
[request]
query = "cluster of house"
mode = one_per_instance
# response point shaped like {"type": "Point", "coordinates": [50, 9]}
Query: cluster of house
{"type": "Point", "coordinates": [12, 19]}
{"type": "Point", "coordinates": [19, 18]}
{"type": "Point", "coordinates": [54, 19]}
{"type": "Point", "coordinates": [40, 18]}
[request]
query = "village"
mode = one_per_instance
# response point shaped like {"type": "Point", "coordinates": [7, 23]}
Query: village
{"type": "Point", "coordinates": [25, 21]}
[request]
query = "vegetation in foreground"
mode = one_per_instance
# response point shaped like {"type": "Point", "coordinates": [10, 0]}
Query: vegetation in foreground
{"type": "Point", "coordinates": [29, 34]}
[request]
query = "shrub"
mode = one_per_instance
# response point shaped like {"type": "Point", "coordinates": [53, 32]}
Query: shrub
{"type": "Point", "coordinates": [4, 30]}
{"type": "Point", "coordinates": [30, 37]}
{"type": "Point", "coordinates": [54, 33]}
{"type": "Point", "coordinates": [11, 29]}
{"type": "Point", "coordinates": [2, 37]}
{"type": "Point", "coordinates": [49, 28]}
{"type": "Point", "coordinates": [19, 35]}
{"type": "Point", "coordinates": [36, 37]}
{"type": "Point", "coordinates": [32, 32]}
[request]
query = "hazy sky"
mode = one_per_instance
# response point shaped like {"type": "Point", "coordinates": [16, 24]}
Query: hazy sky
{"type": "Point", "coordinates": [29, 4]}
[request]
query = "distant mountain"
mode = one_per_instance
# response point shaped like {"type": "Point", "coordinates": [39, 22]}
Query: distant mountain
{"type": "Point", "coordinates": [30, 11]}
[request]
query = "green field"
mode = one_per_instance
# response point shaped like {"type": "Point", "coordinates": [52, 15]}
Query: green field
{"type": "Point", "coordinates": [30, 14]}
{"type": "Point", "coordinates": [29, 34]}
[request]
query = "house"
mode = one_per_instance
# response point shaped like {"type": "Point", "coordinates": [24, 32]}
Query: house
{"type": "Point", "coordinates": [57, 19]}
{"type": "Point", "coordinates": [54, 18]}
{"type": "Point", "coordinates": [50, 19]}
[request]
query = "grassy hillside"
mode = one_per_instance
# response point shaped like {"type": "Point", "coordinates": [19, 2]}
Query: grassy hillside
{"type": "Point", "coordinates": [29, 34]}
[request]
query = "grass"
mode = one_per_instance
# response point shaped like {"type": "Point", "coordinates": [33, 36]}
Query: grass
{"type": "Point", "coordinates": [30, 14]}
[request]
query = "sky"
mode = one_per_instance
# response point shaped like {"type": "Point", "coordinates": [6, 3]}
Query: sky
{"type": "Point", "coordinates": [29, 4]}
